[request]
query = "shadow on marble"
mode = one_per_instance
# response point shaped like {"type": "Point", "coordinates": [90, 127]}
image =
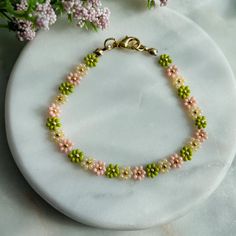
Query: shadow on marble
{"type": "Point", "coordinates": [231, 9]}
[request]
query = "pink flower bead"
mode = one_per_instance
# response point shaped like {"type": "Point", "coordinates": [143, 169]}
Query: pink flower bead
{"type": "Point", "coordinates": [201, 135]}
{"type": "Point", "coordinates": [190, 102]}
{"type": "Point", "coordinates": [138, 173]}
{"type": "Point", "coordinates": [65, 145]}
{"type": "Point", "coordinates": [74, 78]}
{"type": "Point", "coordinates": [172, 71]}
{"type": "Point", "coordinates": [99, 168]}
{"type": "Point", "coordinates": [176, 161]}
{"type": "Point", "coordinates": [54, 110]}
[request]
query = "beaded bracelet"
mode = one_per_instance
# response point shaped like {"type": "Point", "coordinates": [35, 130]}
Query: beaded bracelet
{"type": "Point", "coordinates": [100, 168]}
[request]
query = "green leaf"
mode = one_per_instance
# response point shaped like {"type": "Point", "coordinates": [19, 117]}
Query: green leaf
{"type": "Point", "coordinates": [70, 18]}
{"type": "Point", "coordinates": [151, 4]}
{"type": "Point", "coordinates": [90, 26]}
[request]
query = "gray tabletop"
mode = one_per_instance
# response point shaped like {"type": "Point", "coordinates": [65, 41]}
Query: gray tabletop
{"type": "Point", "coordinates": [23, 212]}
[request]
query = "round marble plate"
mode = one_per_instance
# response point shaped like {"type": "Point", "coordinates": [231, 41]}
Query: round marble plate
{"type": "Point", "coordinates": [123, 112]}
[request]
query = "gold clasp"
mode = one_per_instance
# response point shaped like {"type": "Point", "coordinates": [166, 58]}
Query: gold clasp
{"type": "Point", "coordinates": [128, 42]}
{"type": "Point", "coordinates": [135, 44]}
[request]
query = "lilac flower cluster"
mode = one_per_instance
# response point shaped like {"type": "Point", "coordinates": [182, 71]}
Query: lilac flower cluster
{"type": "Point", "coordinates": [22, 6]}
{"type": "Point", "coordinates": [44, 16]}
{"type": "Point", "coordinates": [163, 3]}
{"type": "Point", "coordinates": [25, 30]}
{"type": "Point", "coordinates": [90, 11]}
{"type": "Point", "coordinates": [26, 17]}
{"type": "Point", "coordinates": [86, 13]}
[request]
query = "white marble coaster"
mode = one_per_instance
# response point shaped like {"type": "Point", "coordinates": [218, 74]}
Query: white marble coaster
{"type": "Point", "coordinates": [124, 112]}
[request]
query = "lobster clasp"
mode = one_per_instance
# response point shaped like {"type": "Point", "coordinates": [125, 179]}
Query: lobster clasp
{"type": "Point", "coordinates": [130, 43]}
{"type": "Point", "coordinates": [135, 44]}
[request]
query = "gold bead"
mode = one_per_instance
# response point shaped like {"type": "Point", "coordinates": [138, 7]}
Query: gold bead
{"type": "Point", "coordinates": [152, 51]}
{"type": "Point", "coordinates": [99, 52]}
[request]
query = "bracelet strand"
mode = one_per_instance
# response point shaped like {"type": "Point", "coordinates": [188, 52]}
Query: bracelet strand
{"type": "Point", "coordinates": [99, 167]}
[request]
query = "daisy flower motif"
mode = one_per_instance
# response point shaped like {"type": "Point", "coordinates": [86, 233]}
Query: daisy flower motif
{"type": "Point", "coordinates": [184, 92]}
{"type": "Point", "coordinates": [81, 69]}
{"type": "Point", "coordinates": [163, 166]}
{"type": "Point", "coordinates": [195, 112]}
{"type": "Point", "coordinates": [91, 60]}
{"type": "Point", "coordinates": [194, 144]}
{"type": "Point", "coordinates": [138, 173]}
{"type": "Point", "coordinates": [112, 171]}
{"type": "Point", "coordinates": [201, 135]}
{"type": "Point", "coordinates": [201, 122]}
{"type": "Point", "coordinates": [65, 145]}
{"type": "Point", "coordinates": [190, 102]}
{"type": "Point", "coordinates": [54, 110]}
{"type": "Point", "coordinates": [176, 161]}
{"type": "Point", "coordinates": [125, 173]}
{"type": "Point", "coordinates": [66, 88]}
{"type": "Point", "coordinates": [165, 60]}
{"type": "Point", "coordinates": [76, 156]}
{"type": "Point", "coordinates": [57, 135]}
{"type": "Point", "coordinates": [178, 82]}
{"type": "Point", "coordinates": [152, 170]}
{"type": "Point", "coordinates": [99, 168]}
{"type": "Point", "coordinates": [172, 71]}
{"type": "Point", "coordinates": [74, 78]}
{"type": "Point", "coordinates": [53, 123]}
{"type": "Point", "coordinates": [187, 153]}
{"type": "Point", "coordinates": [60, 99]}
{"type": "Point", "coordinates": [88, 163]}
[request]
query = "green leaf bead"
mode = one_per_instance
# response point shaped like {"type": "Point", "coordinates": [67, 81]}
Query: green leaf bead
{"type": "Point", "coordinates": [76, 156]}
{"type": "Point", "coordinates": [184, 91]}
{"type": "Point", "coordinates": [91, 60]}
{"type": "Point", "coordinates": [112, 171]}
{"type": "Point", "coordinates": [165, 60]}
{"type": "Point", "coordinates": [66, 88]}
{"type": "Point", "coordinates": [53, 123]}
{"type": "Point", "coordinates": [201, 122]}
{"type": "Point", "coordinates": [187, 153]}
{"type": "Point", "coordinates": [152, 170]}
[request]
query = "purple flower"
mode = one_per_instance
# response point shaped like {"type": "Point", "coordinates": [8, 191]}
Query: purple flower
{"type": "Point", "coordinates": [95, 3]}
{"type": "Point", "coordinates": [87, 11]}
{"type": "Point", "coordinates": [45, 14]}
{"type": "Point", "coordinates": [102, 18]}
{"type": "Point", "coordinates": [44, 17]}
{"type": "Point", "coordinates": [70, 6]}
{"type": "Point", "coordinates": [163, 3]}
{"type": "Point", "coordinates": [25, 30]}
{"type": "Point", "coordinates": [22, 5]}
